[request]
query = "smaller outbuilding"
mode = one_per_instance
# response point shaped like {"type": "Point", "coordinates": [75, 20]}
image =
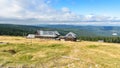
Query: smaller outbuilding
{"type": "Point", "coordinates": [31, 36]}
{"type": "Point", "coordinates": [100, 40]}
{"type": "Point", "coordinates": [69, 37]}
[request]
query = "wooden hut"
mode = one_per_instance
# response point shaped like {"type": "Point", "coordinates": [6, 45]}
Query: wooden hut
{"type": "Point", "coordinates": [31, 36]}
{"type": "Point", "coordinates": [70, 37]}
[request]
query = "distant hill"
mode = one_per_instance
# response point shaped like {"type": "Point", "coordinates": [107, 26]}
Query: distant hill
{"type": "Point", "coordinates": [20, 30]}
{"type": "Point", "coordinates": [89, 30]}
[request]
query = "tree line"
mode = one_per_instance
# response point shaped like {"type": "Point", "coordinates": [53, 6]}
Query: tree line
{"type": "Point", "coordinates": [111, 39]}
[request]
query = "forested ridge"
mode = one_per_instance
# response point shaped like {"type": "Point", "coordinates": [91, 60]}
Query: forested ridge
{"type": "Point", "coordinates": [20, 30]}
{"type": "Point", "coordinates": [16, 30]}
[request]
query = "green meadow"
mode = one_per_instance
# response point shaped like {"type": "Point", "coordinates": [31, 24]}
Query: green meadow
{"type": "Point", "coordinates": [41, 53]}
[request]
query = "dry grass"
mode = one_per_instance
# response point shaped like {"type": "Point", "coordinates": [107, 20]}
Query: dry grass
{"type": "Point", "coordinates": [50, 53]}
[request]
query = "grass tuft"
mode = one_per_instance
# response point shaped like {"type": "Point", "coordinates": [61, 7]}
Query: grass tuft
{"type": "Point", "coordinates": [25, 57]}
{"type": "Point", "coordinates": [92, 46]}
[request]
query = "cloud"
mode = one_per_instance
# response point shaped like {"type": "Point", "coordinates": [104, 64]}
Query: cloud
{"type": "Point", "coordinates": [36, 11]}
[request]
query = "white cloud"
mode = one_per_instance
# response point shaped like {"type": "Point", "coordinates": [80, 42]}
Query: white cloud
{"type": "Point", "coordinates": [40, 10]}
{"type": "Point", "coordinates": [65, 9]}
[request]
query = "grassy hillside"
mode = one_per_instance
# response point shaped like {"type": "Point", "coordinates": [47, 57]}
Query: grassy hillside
{"type": "Point", "coordinates": [38, 53]}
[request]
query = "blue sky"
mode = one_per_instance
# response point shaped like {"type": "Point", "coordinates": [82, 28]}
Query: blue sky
{"type": "Point", "coordinates": [99, 7]}
{"type": "Point", "coordinates": [88, 12]}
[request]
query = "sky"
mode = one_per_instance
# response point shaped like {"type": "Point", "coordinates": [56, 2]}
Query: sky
{"type": "Point", "coordinates": [82, 12]}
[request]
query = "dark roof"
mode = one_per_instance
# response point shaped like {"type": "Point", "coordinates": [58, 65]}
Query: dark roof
{"type": "Point", "coordinates": [48, 33]}
{"type": "Point", "coordinates": [71, 34]}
